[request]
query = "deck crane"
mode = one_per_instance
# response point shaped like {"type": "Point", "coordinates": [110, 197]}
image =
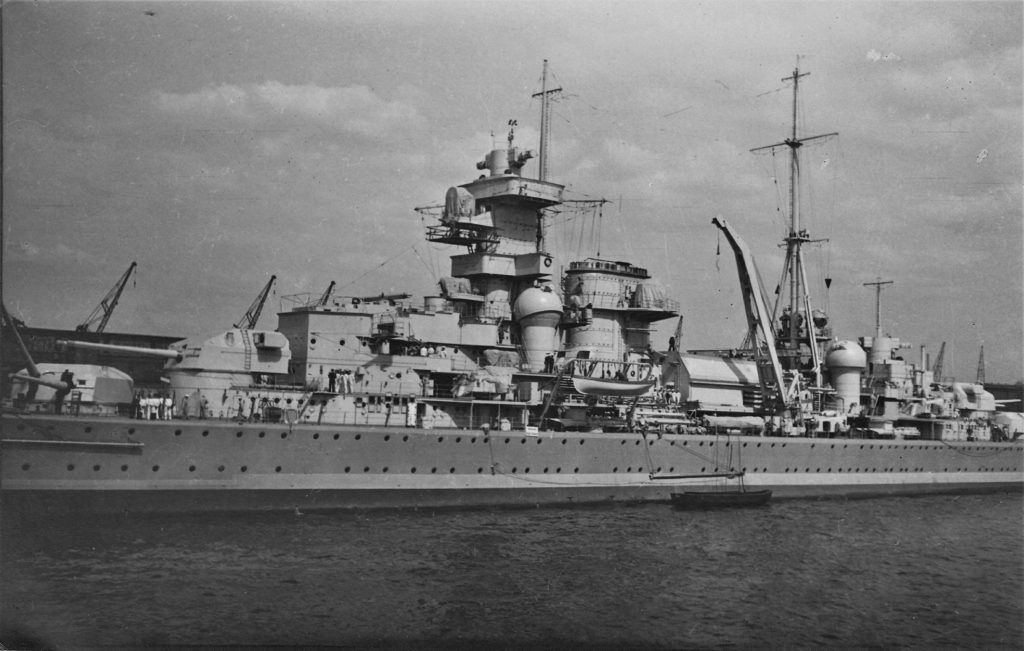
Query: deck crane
{"type": "Point", "coordinates": [777, 395]}
{"type": "Point", "coordinates": [252, 315]}
{"type": "Point", "coordinates": [106, 307]}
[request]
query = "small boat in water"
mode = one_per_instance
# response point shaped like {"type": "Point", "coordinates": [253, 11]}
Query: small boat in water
{"type": "Point", "coordinates": [720, 499]}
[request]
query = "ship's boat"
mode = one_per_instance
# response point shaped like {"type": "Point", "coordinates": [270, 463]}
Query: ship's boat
{"type": "Point", "coordinates": [594, 386]}
{"type": "Point", "coordinates": [720, 499]}
{"type": "Point", "coordinates": [521, 380]}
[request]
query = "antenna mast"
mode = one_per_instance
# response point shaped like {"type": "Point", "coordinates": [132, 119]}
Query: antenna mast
{"type": "Point", "coordinates": [545, 120]}
{"type": "Point", "coordinates": [878, 303]}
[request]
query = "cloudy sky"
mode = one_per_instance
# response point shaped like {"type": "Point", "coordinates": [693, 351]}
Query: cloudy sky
{"type": "Point", "coordinates": [218, 143]}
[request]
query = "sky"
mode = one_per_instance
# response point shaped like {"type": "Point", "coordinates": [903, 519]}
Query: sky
{"type": "Point", "coordinates": [219, 143]}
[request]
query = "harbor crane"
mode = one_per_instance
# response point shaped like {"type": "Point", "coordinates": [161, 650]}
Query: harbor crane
{"type": "Point", "coordinates": [252, 315]}
{"type": "Point", "coordinates": [326, 295]}
{"type": "Point", "coordinates": [101, 314]}
{"type": "Point", "coordinates": [937, 369]}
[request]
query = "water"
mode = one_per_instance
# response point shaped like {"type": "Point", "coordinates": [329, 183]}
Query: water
{"type": "Point", "coordinates": [920, 573]}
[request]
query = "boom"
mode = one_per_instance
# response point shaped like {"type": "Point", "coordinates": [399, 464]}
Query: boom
{"type": "Point", "coordinates": [762, 336]}
{"type": "Point", "coordinates": [106, 307]}
{"type": "Point", "coordinates": [252, 315]}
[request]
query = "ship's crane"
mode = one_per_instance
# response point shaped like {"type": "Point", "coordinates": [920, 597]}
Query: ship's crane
{"type": "Point", "coordinates": [755, 302]}
{"type": "Point", "coordinates": [252, 315]}
{"type": "Point", "coordinates": [101, 314]}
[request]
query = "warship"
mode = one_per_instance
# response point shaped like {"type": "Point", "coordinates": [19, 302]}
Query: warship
{"type": "Point", "coordinates": [523, 380]}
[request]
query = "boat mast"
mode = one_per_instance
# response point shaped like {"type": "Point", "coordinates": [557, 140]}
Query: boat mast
{"type": "Point", "coordinates": [793, 272]}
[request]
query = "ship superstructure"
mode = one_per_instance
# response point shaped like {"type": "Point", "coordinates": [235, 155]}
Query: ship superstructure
{"type": "Point", "coordinates": [524, 379]}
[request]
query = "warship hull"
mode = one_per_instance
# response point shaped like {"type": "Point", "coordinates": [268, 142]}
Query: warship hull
{"type": "Point", "coordinates": [58, 465]}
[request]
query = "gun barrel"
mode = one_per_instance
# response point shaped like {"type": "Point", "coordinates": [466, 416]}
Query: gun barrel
{"type": "Point", "coordinates": [132, 350]}
{"type": "Point", "coordinates": [53, 384]}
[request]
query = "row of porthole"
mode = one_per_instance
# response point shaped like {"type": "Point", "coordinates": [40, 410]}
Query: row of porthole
{"type": "Point", "coordinates": [221, 468]}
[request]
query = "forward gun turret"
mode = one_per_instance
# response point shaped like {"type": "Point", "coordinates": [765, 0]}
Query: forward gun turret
{"type": "Point", "coordinates": [165, 353]}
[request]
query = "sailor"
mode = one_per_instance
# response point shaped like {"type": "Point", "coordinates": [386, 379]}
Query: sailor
{"type": "Point", "coordinates": [68, 378]}
{"type": "Point", "coordinates": [549, 363]}
{"type": "Point", "coordinates": [184, 408]}
{"type": "Point", "coordinates": [332, 377]}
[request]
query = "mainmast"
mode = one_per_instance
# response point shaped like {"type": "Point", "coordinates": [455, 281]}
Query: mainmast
{"type": "Point", "coordinates": [878, 284]}
{"type": "Point", "coordinates": [797, 324]}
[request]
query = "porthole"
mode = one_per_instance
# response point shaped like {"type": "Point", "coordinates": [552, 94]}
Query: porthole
{"type": "Point", "coordinates": [220, 468]}
{"type": "Point", "coordinates": [238, 434]}
{"type": "Point", "coordinates": [131, 430]}
{"type": "Point", "coordinates": [366, 469]}
{"type": "Point", "coordinates": [191, 468]}
{"type": "Point", "coordinates": [206, 432]}
{"type": "Point", "coordinates": [124, 468]}
{"type": "Point", "coordinates": [387, 437]}
{"type": "Point", "coordinates": [277, 469]}
{"type": "Point", "coordinates": [384, 469]}
{"type": "Point", "coordinates": [622, 442]}
{"type": "Point", "coordinates": [440, 439]}
{"type": "Point", "coordinates": [96, 468]}
{"type": "Point", "coordinates": [433, 471]}
{"type": "Point", "coordinates": [525, 470]}
{"type": "Point", "coordinates": [177, 432]}
{"type": "Point", "coordinates": [514, 470]}
{"type": "Point", "coordinates": [564, 441]}
{"type": "Point", "coordinates": [458, 439]}
{"type": "Point", "coordinates": [316, 436]}
{"type": "Point", "coordinates": [359, 436]}
{"type": "Point", "coordinates": [575, 470]}
{"type": "Point", "coordinates": [451, 470]}
{"type": "Point", "coordinates": [472, 440]}
{"type": "Point", "coordinates": [284, 435]}
{"type": "Point", "coordinates": [348, 468]}
{"type": "Point", "coordinates": [262, 434]}
{"type": "Point", "coordinates": [25, 466]}
{"type": "Point", "coordinates": [405, 438]}
{"type": "Point", "coordinates": [337, 436]}
{"type": "Point", "coordinates": [156, 468]}
{"type": "Point", "coordinates": [545, 471]}
{"type": "Point", "coordinates": [615, 469]}
{"type": "Point", "coordinates": [523, 441]}
{"type": "Point", "coordinates": [245, 468]}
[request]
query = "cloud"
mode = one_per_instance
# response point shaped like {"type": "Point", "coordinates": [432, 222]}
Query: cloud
{"type": "Point", "coordinates": [875, 55]}
{"type": "Point", "coordinates": [353, 109]}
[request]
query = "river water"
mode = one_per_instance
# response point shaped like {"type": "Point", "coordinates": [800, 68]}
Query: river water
{"type": "Point", "coordinates": [892, 573]}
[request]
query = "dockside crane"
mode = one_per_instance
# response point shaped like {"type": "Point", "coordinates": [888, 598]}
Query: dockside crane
{"type": "Point", "coordinates": [252, 315]}
{"type": "Point", "coordinates": [326, 295]}
{"type": "Point", "coordinates": [937, 369]}
{"type": "Point", "coordinates": [101, 314]}
{"type": "Point", "coordinates": [981, 366]}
